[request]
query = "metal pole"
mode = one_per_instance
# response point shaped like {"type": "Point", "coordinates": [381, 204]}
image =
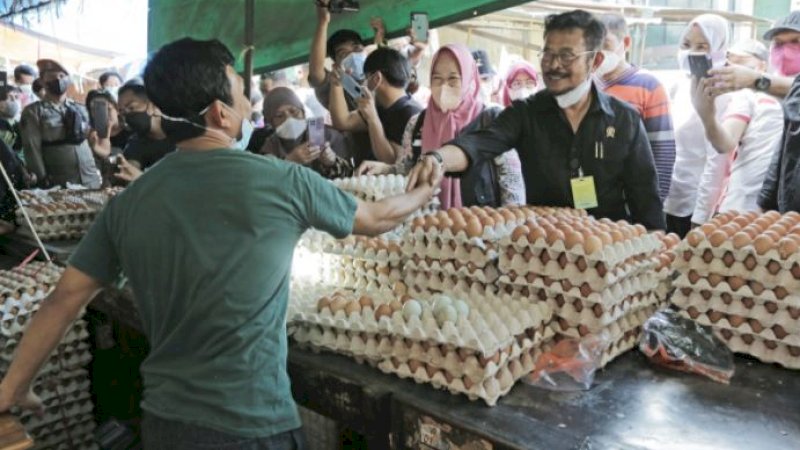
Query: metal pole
{"type": "Point", "coordinates": [249, 27]}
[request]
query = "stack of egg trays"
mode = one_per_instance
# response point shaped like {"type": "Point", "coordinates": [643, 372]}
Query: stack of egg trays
{"type": "Point", "coordinates": [373, 188]}
{"type": "Point", "coordinates": [751, 301]}
{"type": "Point", "coordinates": [63, 382]}
{"type": "Point", "coordinates": [611, 292]}
{"type": "Point", "coordinates": [62, 214]}
{"type": "Point", "coordinates": [480, 354]}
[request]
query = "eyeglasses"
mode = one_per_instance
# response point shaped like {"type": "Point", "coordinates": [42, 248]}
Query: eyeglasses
{"type": "Point", "coordinates": [564, 59]}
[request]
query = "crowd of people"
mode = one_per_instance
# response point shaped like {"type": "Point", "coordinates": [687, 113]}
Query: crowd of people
{"type": "Point", "coordinates": [205, 234]}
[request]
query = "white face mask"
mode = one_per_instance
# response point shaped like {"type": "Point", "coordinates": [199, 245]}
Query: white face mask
{"type": "Point", "coordinates": [26, 88]}
{"type": "Point", "coordinates": [235, 144]}
{"type": "Point", "coordinates": [610, 62]}
{"type": "Point", "coordinates": [520, 93]}
{"type": "Point", "coordinates": [354, 64]}
{"type": "Point", "coordinates": [448, 99]}
{"type": "Point", "coordinates": [114, 91]}
{"type": "Point", "coordinates": [291, 129]}
{"type": "Point", "coordinates": [572, 97]}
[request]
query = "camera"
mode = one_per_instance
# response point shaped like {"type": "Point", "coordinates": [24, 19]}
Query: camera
{"type": "Point", "coordinates": [340, 6]}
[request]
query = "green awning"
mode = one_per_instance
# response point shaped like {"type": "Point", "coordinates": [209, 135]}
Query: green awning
{"type": "Point", "coordinates": [283, 28]}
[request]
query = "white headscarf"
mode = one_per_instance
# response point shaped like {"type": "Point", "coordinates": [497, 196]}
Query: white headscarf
{"type": "Point", "coordinates": [716, 31]}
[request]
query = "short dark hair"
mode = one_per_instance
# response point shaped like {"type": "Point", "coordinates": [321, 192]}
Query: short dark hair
{"type": "Point", "coordinates": [135, 86]}
{"type": "Point", "coordinates": [5, 91]}
{"type": "Point", "coordinates": [37, 86]}
{"type": "Point", "coordinates": [391, 64]}
{"type": "Point", "coordinates": [106, 75]}
{"type": "Point", "coordinates": [341, 37]}
{"type": "Point", "coordinates": [594, 32]}
{"type": "Point", "coordinates": [184, 77]}
{"type": "Point", "coordinates": [22, 70]}
{"type": "Point", "coordinates": [615, 24]}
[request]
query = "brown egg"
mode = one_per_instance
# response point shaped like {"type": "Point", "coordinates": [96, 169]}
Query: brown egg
{"type": "Point", "coordinates": [366, 301]}
{"type": "Point", "coordinates": [338, 304]}
{"type": "Point", "coordinates": [605, 237]}
{"type": "Point", "coordinates": [474, 227]}
{"type": "Point", "coordinates": [554, 236]}
{"type": "Point", "coordinates": [708, 228]}
{"type": "Point", "coordinates": [717, 238]}
{"type": "Point", "coordinates": [323, 303]}
{"type": "Point", "coordinates": [400, 288]}
{"type": "Point", "coordinates": [445, 224]}
{"type": "Point", "coordinates": [508, 215]}
{"type": "Point", "coordinates": [781, 292]}
{"type": "Point", "coordinates": [695, 237]}
{"type": "Point", "coordinates": [487, 221]}
{"type": "Point", "coordinates": [395, 305]}
{"type": "Point", "coordinates": [518, 232]}
{"type": "Point", "coordinates": [693, 277]}
{"type": "Point", "coordinates": [756, 287]}
{"type": "Point", "coordinates": [573, 239]}
{"type": "Point", "coordinates": [750, 262]}
{"type": "Point", "coordinates": [787, 247]}
{"type": "Point", "coordinates": [414, 365]}
{"type": "Point", "coordinates": [352, 307]}
{"type": "Point", "coordinates": [728, 259]}
{"type": "Point", "coordinates": [763, 244]}
{"type": "Point", "coordinates": [418, 222]}
{"type": "Point", "coordinates": [714, 279]}
{"type": "Point", "coordinates": [383, 311]}
{"type": "Point", "coordinates": [431, 222]}
{"type": "Point", "coordinates": [536, 233]}
{"type": "Point", "coordinates": [593, 245]}
{"type": "Point", "coordinates": [741, 240]}
{"type": "Point", "coordinates": [455, 214]}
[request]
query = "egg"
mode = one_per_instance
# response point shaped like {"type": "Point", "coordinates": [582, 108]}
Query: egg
{"type": "Point", "coordinates": [535, 234]}
{"type": "Point", "coordinates": [573, 239]}
{"type": "Point", "coordinates": [756, 287]}
{"type": "Point", "coordinates": [445, 224]}
{"type": "Point", "coordinates": [593, 245]}
{"type": "Point", "coordinates": [400, 288]}
{"type": "Point", "coordinates": [518, 232]}
{"type": "Point", "coordinates": [741, 240]}
{"type": "Point", "coordinates": [445, 313]}
{"type": "Point", "coordinates": [411, 308]}
{"type": "Point", "coordinates": [338, 304]}
{"type": "Point", "coordinates": [353, 307]}
{"type": "Point", "coordinates": [763, 244]}
{"type": "Point", "coordinates": [414, 365]}
{"type": "Point", "coordinates": [431, 223]}
{"type": "Point", "coordinates": [718, 238]}
{"type": "Point", "coordinates": [323, 303]}
{"type": "Point", "coordinates": [750, 262]}
{"type": "Point", "coordinates": [554, 235]}
{"type": "Point", "coordinates": [707, 229]}
{"type": "Point", "coordinates": [395, 305]}
{"type": "Point", "coordinates": [418, 222]}
{"type": "Point", "coordinates": [714, 279]}
{"type": "Point", "coordinates": [693, 277]}
{"type": "Point", "coordinates": [383, 311]}
{"type": "Point", "coordinates": [474, 227]}
{"type": "Point", "coordinates": [787, 247]}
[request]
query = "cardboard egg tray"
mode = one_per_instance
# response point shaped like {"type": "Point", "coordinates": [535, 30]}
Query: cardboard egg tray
{"type": "Point", "coordinates": [70, 413]}
{"type": "Point", "coordinates": [768, 314]}
{"type": "Point", "coordinates": [611, 295]}
{"type": "Point", "coordinates": [738, 254]}
{"type": "Point", "coordinates": [611, 255]}
{"type": "Point", "coordinates": [420, 282]}
{"type": "Point", "coordinates": [742, 325]}
{"type": "Point", "coordinates": [360, 278]}
{"type": "Point", "coordinates": [749, 289]}
{"type": "Point", "coordinates": [64, 213]}
{"type": "Point", "coordinates": [486, 274]}
{"type": "Point", "coordinates": [597, 275]}
{"type": "Point", "coordinates": [593, 316]}
{"type": "Point", "coordinates": [614, 331]}
{"type": "Point", "coordinates": [385, 248]}
{"type": "Point", "coordinates": [493, 233]}
{"type": "Point", "coordinates": [765, 350]}
{"type": "Point", "coordinates": [480, 256]}
{"type": "Point", "coordinates": [79, 436]}
{"type": "Point", "coordinates": [774, 274]}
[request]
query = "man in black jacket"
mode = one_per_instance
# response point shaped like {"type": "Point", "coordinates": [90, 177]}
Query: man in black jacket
{"type": "Point", "coordinates": [578, 146]}
{"type": "Point", "coordinates": [781, 189]}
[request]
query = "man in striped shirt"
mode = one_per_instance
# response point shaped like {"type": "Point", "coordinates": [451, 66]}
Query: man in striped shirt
{"type": "Point", "coordinates": [641, 90]}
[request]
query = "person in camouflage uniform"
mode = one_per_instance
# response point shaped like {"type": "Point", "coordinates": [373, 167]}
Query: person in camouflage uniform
{"type": "Point", "coordinates": [54, 134]}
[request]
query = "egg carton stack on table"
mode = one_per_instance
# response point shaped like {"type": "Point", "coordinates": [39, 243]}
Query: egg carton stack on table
{"type": "Point", "coordinates": [62, 214]}
{"type": "Point", "coordinates": [476, 348]}
{"type": "Point", "coordinates": [456, 251]}
{"type": "Point", "coordinates": [598, 276]}
{"type": "Point", "coordinates": [376, 187]}
{"type": "Point", "coordinates": [740, 274]}
{"type": "Point", "coordinates": [63, 383]}
{"type": "Point", "coordinates": [664, 262]}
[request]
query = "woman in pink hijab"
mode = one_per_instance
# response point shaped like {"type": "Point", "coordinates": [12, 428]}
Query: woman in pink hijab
{"type": "Point", "coordinates": [521, 82]}
{"type": "Point", "coordinates": [455, 107]}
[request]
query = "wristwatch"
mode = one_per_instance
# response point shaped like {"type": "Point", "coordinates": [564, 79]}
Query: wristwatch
{"type": "Point", "coordinates": [437, 156]}
{"type": "Point", "coordinates": [763, 83]}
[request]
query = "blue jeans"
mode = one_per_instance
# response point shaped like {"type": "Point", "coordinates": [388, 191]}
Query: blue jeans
{"type": "Point", "coordinates": [158, 434]}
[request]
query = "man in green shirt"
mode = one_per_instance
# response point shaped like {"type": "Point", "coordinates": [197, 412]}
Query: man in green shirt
{"type": "Point", "coordinates": [206, 238]}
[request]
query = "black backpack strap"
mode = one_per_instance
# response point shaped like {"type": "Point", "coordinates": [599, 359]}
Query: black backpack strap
{"type": "Point", "coordinates": [416, 137]}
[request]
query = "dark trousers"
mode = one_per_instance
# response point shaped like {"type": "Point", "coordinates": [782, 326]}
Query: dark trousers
{"type": "Point", "coordinates": [158, 434]}
{"type": "Point", "coordinates": [679, 225]}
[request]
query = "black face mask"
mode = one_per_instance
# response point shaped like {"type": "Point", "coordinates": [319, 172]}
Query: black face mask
{"type": "Point", "coordinates": [139, 122]}
{"type": "Point", "coordinates": [57, 87]}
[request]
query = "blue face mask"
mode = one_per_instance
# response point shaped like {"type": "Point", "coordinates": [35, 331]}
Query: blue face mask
{"type": "Point", "coordinates": [354, 65]}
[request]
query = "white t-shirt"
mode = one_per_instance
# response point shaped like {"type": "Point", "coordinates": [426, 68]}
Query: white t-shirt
{"type": "Point", "coordinates": [699, 169]}
{"type": "Point", "coordinates": [762, 138]}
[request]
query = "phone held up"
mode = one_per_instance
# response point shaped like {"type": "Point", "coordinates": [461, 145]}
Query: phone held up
{"type": "Point", "coordinates": [699, 65]}
{"type": "Point", "coordinates": [316, 132]}
{"type": "Point", "coordinates": [420, 26]}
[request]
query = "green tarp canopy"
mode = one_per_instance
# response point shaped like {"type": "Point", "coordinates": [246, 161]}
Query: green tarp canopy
{"type": "Point", "coordinates": [283, 28]}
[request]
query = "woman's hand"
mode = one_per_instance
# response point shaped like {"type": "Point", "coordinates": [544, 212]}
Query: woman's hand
{"type": "Point", "coordinates": [304, 154]}
{"type": "Point", "coordinates": [373, 168]}
{"type": "Point", "coordinates": [327, 157]}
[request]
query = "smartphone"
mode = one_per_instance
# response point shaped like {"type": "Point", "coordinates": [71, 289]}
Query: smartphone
{"type": "Point", "coordinates": [699, 64]}
{"type": "Point", "coordinates": [3, 78]}
{"type": "Point", "coordinates": [316, 132]}
{"type": "Point", "coordinates": [99, 116]}
{"type": "Point", "coordinates": [419, 23]}
{"type": "Point", "coordinates": [351, 86]}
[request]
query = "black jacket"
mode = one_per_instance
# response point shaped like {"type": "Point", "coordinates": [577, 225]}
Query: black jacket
{"type": "Point", "coordinates": [611, 145]}
{"type": "Point", "coordinates": [781, 189]}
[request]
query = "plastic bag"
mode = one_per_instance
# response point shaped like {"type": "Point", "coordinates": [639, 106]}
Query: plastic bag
{"type": "Point", "coordinates": [570, 365]}
{"type": "Point", "coordinates": [679, 343]}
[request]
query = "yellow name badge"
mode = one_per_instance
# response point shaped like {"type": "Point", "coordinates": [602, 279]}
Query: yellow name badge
{"type": "Point", "coordinates": [584, 196]}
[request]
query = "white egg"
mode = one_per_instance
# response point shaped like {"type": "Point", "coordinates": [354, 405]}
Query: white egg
{"type": "Point", "coordinates": [462, 307]}
{"type": "Point", "coordinates": [445, 313]}
{"type": "Point", "coordinates": [412, 308]}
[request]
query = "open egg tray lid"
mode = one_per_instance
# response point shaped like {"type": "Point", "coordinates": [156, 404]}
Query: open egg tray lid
{"type": "Point", "coordinates": [481, 326]}
{"type": "Point", "coordinates": [767, 313]}
{"type": "Point", "coordinates": [738, 288]}
{"type": "Point", "coordinates": [608, 296]}
{"type": "Point", "coordinates": [487, 274]}
{"type": "Point", "coordinates": [613, 331]}
{"type": "Point", "coordinates": [742, 325]}
{"type": "Point", "coordinates": [479, 256]}
{"type": "Point", "coordinates": [763, 349]}
{"type": "Point", "coordinates": [575, 271]}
